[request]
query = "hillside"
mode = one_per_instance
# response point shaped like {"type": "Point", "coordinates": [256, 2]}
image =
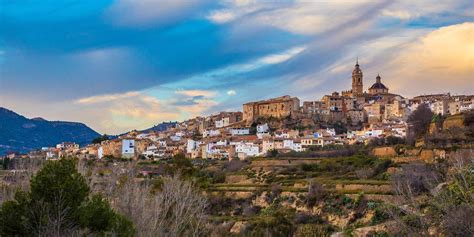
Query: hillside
{"type": "Point", "coordinates": [18, 133]}
{"type": "Point", "coordinates": [160, 127]}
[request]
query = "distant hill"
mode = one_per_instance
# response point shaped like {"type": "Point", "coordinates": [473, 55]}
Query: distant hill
{"type": "Point", "coordinates": [18, 133]}
{"type": "Point", "coordinates": [161, 127]}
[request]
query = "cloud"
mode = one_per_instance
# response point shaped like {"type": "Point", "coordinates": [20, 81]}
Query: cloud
{"type": "Point", "coordinates": [282, 57]}
{"type": "Point", "coordinates": [106, 98]}
{"type": "Point", "coordinates": [301, 17]}
{"type": "Point", "coordinates": [100, 63]}
{"type": "Point", "coordinates": [196, 93]}
{"type": "Point", "coordinates": [440, 61]}
{"type": "Point", "coordinates": [117, 113]}
{"type": "Point", "coordinates": [154, 12]}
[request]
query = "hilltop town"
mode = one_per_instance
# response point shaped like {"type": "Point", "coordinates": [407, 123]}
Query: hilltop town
{"type": "Point", "coordinates": [355, 163]}
{"type": "Point", "coordinates": [281, 125]}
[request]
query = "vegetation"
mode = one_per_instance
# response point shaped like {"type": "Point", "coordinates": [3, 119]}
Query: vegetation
{"type": "Point", "coordinates": [420, 120]}
{"type": "Point", "coordinates": [318, 192]}
{"type": "Point", "coordinates": [60, 203]}
{"type": "Point", "coordinates": [444, 191]}
{"type": "Point", "coordinates": [100, 139]}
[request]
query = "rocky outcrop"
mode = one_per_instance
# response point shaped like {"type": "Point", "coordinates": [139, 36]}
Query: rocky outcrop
{"type": "Point", "coordinates": [238, 227]}
{"type": "Point", "coordinates": [453, 121]}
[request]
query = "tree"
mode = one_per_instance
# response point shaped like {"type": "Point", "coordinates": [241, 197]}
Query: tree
{"type": "Point", "coordinates": [393, 140]}
{"type": "Point", "coordinates": [177, 209]}
{"type": "Point", "coordinates": [420, 120]}
{"type": "Point", "coordinates": [100, 139]}
{"type": "Point", "coordinates": [58, 204]}
{"type": "Point", "coordinates": [272, 153]}
{"type": "Point", "coordinates": [436, 197]}
{"type": "Point", "coordinates": [5, 163]}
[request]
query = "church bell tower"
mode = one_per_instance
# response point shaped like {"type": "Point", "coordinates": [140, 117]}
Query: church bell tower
{"type": "Point", "coordinates": [357, 85]}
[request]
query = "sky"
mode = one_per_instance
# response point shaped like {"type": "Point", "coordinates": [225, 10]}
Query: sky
{"type": "Point", "coordinates": [130, 64]}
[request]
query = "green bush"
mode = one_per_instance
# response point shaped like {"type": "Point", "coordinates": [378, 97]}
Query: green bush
{"type": "Point", "coordinates": [59, 197]}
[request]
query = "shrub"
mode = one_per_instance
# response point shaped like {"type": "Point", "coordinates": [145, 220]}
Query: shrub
{"type": "Point", "coordinates": [58, 204]}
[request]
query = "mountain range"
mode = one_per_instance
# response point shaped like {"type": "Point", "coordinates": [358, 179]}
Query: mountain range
{"type": "Point", "coordinates": [20, 134]}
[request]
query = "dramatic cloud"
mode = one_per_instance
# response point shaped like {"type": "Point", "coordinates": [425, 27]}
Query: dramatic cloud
{"type": "Point", "coordinates": [139, 110]}
{"type": "Point", "coordinates": [120, 65]}
{"type": "Point", "coordinates": [441, 61]}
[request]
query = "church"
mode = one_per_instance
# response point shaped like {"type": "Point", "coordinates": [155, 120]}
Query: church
{"type": "Point", "coordinates": [375, 92]}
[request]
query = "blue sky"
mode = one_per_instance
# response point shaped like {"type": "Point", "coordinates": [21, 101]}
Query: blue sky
{"type": "Point", "coordinates": [129, 64]}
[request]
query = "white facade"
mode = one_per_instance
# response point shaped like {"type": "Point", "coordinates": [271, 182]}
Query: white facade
{"type": "Point", "coordinates": [211, 133]}
{"type": "Point", "coordinates": [162, 143]}
{"type": "Point", "coordinates": [128, 148]}
{"type": "Point", "coordinates": [224, 122]}
{"type": "Point", "coordinates": [153, 152]}
{"type": "Point", "coordinates": [142, 135]}
{"type": "Point", "coordinates": [100, 152]}
{"type": "Point", "coordinates": [288, 143]}
{"type": "Point", "coordinates": [297, 147]}
{"type": "Point", "coordinates": [439, 107]}
{"type": "Point", "coordinates": [292, 145]}
{"type": "Point", "coordinates": [192, 145]}
{"type": "Point", "coordinates": [249, 149]}
{"type": "Point", "coordinates": [239, 131]}
{"type": "Point", "coordinates": [399, 132]}
{"type": "Point", "coordinates": [221, 143]}
{"type": "Point", "coordinates": [282, 135]}
{"type": "Point", "coordinates": [331, 132]}
{"type": "Point", "coordinates": [175, 138]}
{"type": "Point", "coordinates": [262, 128]}
{"type": "Point", "coordinates": [466, 106]}
{"type": "Point", "coordinates": [374, 133]}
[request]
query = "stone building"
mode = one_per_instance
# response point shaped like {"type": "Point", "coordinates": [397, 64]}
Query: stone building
{"type": "Point", "coordinates": [277, 108]}
{"type": "Point", "coordinates": [312, 107]}
{"type": "Point", "coordinates": [357, 82]}
{"type": "Point", "coordinates": [356, 116]}
{"type": "Point", "coordinates": [374, 112]}
{"type": "Point", "coordinates": [333, 102]}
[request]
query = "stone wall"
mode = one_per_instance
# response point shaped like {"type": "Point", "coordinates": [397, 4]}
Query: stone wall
{"type": "Point", "coordinates": [384, 151]}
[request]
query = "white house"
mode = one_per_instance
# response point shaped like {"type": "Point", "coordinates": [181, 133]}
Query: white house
{"type": "Point", "coordinates": [292, 145]}
{"type": "Point", "coordinates": [175, 138]}
{"type": "Point", "coordinates": [153, 152]}
{"type": "Point", "coordinates": [466, 106]}
{"type": "Point", "coordinates": [373, 133]}
{"type": "Point", "coordinates": [239, 131]}
{"type": "Point", "coordinates": [331, 132]}
{"type": "Point", "coordinates": [224, 122]}
{"type": "Point", "coordinates": [128, 148]}
{"type": "Point", "coordinates": [263, 128]}
{"type": "Point", "coordinates": [192, 145]}
{"type": "Point", "coordinates": [211, 133]}
{"type": "Point", "coordinates": [142, 135]}
{"type": "Point", "coordinates": [248, 149]}
{"type": "Point", "coordinates": [100, 152]}
{"type": "Point", "coordinates": [162, 143]}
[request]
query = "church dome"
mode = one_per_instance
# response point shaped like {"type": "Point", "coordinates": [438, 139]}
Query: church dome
{"type": "Point", "coordinates": [378, 84]}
